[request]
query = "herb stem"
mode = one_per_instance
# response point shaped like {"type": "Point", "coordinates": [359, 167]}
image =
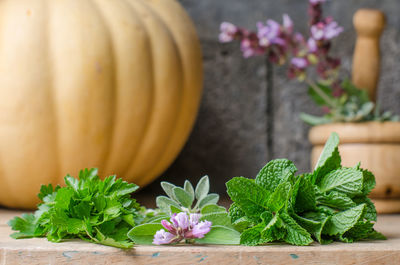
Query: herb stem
{"type": "Point", "coordinates": [321, 93]}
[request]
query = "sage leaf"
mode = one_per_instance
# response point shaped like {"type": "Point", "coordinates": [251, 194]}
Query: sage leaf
{"type": "Point", "coordinates": [202, 188]}
{"type": "Point", "coordinates": [144, 234]}
{"type": "Point", "coordinates": [211, 198]}
{"type": "Point", "coordinates": [220, 235]}
{"type": "Point", "coordinates": [183, 197]}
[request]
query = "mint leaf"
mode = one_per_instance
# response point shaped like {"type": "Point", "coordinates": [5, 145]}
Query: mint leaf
{"type": "Point", "coordinates": [275, 172]}
{"type": "Point", "coordinates": [235, 213]}
{"type": "Point", "coordinates": [242, 223]}
{"type": "Point", "coordinates": [368, 181]}
{"type": "Point", "coordinates": [336, 200]}
{"type": "Point", "coordinates": [345, 180]}
{"type": "Point", "coordinates": [304, 195]}
{"type": "Point", "coordinates": [360, 230]}
{"type": "Point", "coordinates": [220, 235]}
{"type": "Point", "coordinates": [329, 159]}
{"type": "Point", "coordinates": [296, 234]}
{"type": "Point", "coordinates": [272, 231]}
{"type": "Point", "coordinates": [370, 211]}
{"type": "Point", "coordinates": [250, 197]}
{"type": "Point", "coordinates": [314, 223]}
{"type": "Point", "coordinates": [344, 221]}
{"type": "Point", "coordinates": [252, 236]}
{"type": "Point", "coordinates": [238, 218]}
{"type": "Point", "coordinates": [279, 197]}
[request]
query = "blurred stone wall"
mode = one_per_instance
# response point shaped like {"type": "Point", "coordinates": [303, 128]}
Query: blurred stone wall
{"type": "Point", "coordinates": [230, 136]}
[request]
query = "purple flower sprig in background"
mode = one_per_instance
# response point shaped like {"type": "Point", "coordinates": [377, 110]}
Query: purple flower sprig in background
{"type": "Point", "coordinates": [280, 43]}
{"type": "Point", "coordinates": [182, 226]}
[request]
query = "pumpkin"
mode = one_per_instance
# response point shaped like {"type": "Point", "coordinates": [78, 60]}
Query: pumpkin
{"type": "Point", "coordinates": [109, 84]}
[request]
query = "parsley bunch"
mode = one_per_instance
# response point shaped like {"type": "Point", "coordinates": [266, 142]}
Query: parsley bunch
{"type": "Point", "coordinates": [328, 204]}
{"type": "Point", "coordinates": [95, 210]}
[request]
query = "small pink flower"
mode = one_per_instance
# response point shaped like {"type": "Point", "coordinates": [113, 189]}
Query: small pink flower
{"type": "Point", "coordinates": [200, 229]}
{"type": "Point", "coordinates": [299, 63]}
{"type": "Point", "coordinates": [181, 227]}
{"type": "Point", "coordinates": [269, 33]}
{"type": "Point", "coordinates": [250, 46]}
{"type": "Point", "coordinates": [194, 219]}
{"type": "Point", "coordinates": [287, 23]}
{"type": "Point", "coordinates": [228, 32]}
{"type": "Point", "coordinates": [312, 45]}
{"type": "Point", "coordinates": [162, 237]}
{"type": "Point", "coordinates": [323, 31]}
{"type": "Point", "coordinates": [316, 2]}
{"type": "Point", "coordinates": [180, 220]}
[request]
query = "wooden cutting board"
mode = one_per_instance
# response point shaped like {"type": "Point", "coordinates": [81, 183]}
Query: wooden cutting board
{"type": "Point", "coordinates": [40, 251]}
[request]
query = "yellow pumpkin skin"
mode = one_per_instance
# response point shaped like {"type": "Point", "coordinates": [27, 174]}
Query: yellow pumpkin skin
{"type": "Point", "coordinates": [93, 83]}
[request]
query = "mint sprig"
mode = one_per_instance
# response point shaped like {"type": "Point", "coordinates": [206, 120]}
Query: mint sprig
{"type": "Point", "coordinates": [95, 210]}
{"type": "Point", "coordinates": [328, 204]}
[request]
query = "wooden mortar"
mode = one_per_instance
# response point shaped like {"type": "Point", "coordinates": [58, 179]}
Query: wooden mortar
{"type": "Point", "coordinates": [375, 144]}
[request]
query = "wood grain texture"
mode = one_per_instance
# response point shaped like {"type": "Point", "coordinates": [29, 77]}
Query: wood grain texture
{"type": "Point", "coordinates": [40, 251]}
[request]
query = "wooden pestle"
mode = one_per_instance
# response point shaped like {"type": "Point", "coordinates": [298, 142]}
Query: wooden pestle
{"type": "Point", "coordinates": [369, 24]}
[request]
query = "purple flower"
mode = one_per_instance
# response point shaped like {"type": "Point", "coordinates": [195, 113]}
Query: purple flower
{"type": "Point", "coordinates": [228, 32]}
{"type": "Point", "coordinates": [201, 229]}
{"type": "Point", "coordinates": [162, 237]}
{"type": "Point", "coordinates": [298, 38]}
{"type": "Point", "coordinates": [299, 63]}
{"type": "Point", "coordinates": [181, 227]}
{"type": "Point", "coordinates": [312, 45]}
{"type": "Point", "coordinates": [332, 30]}
{"type": "Point", "coordinates": [269, 33]}
{"type": "Point", "coordinates": [250, 46]}
{"type": "Point", "coordinates": [322, 31]}
{"type": "Point", "coordinates": [194, 219]}
{"type": "Point", "coordinates": [298, 67]}
{"type": "Point", "coordinates": [316, 2]}
{"type": "Point", "coordinates": [287, 23]}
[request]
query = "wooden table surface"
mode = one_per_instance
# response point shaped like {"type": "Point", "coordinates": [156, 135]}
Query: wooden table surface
{"type": "Point", "coordinates": [40, 251]}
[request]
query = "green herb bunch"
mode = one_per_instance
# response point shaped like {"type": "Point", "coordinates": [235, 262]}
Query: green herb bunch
{"type": "Point", "coordinates": [353, 105]}
{"type": "Point", "coordinates": [95, 210]}
{"type": "Point", "coordinates": [192, 201]}
{"type": "Point", "coordinates": [328, 204]}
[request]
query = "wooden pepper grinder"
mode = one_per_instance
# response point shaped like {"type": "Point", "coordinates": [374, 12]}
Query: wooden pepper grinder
{"type": "Point", "coordinates": [369, 24]}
